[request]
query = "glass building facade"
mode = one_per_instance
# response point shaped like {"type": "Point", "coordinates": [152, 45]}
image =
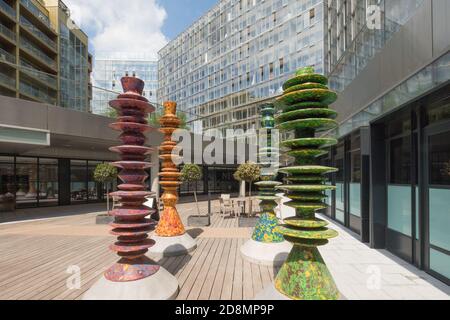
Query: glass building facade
{"type": "Point", "coordinates": [237, 55]}
{"type": "Point", "coordinates": [110, 68]}
{"type": "Point", "coordinates": [393, 154]}
{"type": "Point", "coordinates": [29, 182]}
{"type": "Point", "coordinates": [41, 60]}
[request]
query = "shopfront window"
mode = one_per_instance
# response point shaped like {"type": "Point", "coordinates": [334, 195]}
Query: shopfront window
{"type": "Point", "coordinates": [48, 182]}
{"type": "Point", "coordinates": [439, 195]}
{"type": "Point", "coordinates": [26, 182]}
{"type": "Point", "coordinates": [78, 181]}
{"type": "Point", "coordinates": [399, 187]}
{"type": "Point", "coordinates": [340, 186]}
{"type": "Point", "coordinates": [7, 185]}
{"type": "Point", "coordinates": [94, 188]}
{"type": "Point", "coordinates": [355, 175]}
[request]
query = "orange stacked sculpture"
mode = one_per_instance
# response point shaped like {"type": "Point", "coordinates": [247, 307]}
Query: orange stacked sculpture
{"type": "Point", "coordinates": [170, 224]}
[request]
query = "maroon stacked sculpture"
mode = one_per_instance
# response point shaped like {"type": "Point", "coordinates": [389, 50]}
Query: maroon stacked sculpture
{"type": "Point", "coordinates": [130, 225]}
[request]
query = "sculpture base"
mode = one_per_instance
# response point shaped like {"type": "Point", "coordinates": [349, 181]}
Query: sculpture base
{"type": "Point", "coordinates": [160, 286]}
{"type": "Point", "coordinates": [172, 246]}
{"type": "Point", "coordinates": [267, 254]}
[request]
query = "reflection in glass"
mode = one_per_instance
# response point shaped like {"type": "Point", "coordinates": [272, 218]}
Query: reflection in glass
{"type": "Point", "coordinates": [48, 182]}
{"type": "Point", "coordinates": [78, 179]}
{"type": "Point", "coordinates": [7, 186]}
{"type": "Point", "coordinates": [94, 188]}
{"type": "Point", "coordinates": [26, 182]}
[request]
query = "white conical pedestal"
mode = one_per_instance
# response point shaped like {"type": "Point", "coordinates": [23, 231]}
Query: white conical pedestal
{"type": "Point", "coordinates": [160, 286]}
{"type": "Point", "coordinates": [172, 246]}
{"type": "Point", "coordinates": [267, 254]}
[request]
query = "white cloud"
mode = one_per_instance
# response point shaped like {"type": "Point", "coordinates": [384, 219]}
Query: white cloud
{"type": "Point", "coordinates": [115, 26]}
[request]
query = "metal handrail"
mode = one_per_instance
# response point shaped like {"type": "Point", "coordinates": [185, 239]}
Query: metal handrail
{"type": "Point", "coordinates": [26, 88]}
{"type": "Point", "coordinates": [10, 81]}
{"type": "Point", "coordinates": [5, 55]}
{"type": "Point", "coordinates": [38, 33]}
{"type": "Point", "coordinates": [28, 45]}
{"type": "Point", "coordinates": [8, 9]}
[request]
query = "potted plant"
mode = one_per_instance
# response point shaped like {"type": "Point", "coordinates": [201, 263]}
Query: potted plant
{"type": "Point", "coordinates": [105, 173]}
{"type": "Point", "coordinates": [191, 173]}
{"type": "Point", "coordinates": [248, 172]}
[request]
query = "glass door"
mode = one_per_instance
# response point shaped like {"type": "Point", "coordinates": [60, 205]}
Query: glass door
{"type": "Point", "coordinates": [437, 194]}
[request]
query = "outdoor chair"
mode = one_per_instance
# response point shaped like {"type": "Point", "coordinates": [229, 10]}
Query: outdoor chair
{"type": "Point", "coordinates": [226, 205]}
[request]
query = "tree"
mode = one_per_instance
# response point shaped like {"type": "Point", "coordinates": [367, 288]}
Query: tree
{"type": "Point", "coordinates": [248, 172]}
{"type": "Point", "coordinates": [110, 113]}
{"type": "Point", "coordinates": [105, 173]}
{"type": "Point", "coordinates": [192, 173]}
{"type": "Point", "coordinates": [153, 119]}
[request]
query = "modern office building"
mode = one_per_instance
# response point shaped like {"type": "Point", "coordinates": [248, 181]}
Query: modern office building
{"type": "Point", "coordinates": [43, 55]}
{"type": "Point", "coordinates": [236, 56]}
{"type": "Point", "coordinates": [48, 148]}
{"type": "Point", "coordinates": [392, 73]}
{"type": "Point", "coordinates": [110, 67]}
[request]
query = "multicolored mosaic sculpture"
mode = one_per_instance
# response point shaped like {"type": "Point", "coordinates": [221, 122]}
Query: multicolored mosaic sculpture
{"type": "Point", "coordinates": [170, 224]}
{"type": "Point", "coordinates": [304, 275]}
{"type": "Point", "coordinates": [130, 225]}
{"type": "Point", "coordinates": [264, 230]}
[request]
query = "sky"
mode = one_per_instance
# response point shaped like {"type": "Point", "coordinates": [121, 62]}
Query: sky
{"type": "Point", "coordinates": [135, 27]}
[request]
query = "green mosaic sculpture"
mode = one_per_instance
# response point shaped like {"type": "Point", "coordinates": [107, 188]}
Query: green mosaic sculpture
{"type": "Point", "coordinates": [304, 275]}
{"type": "Point", "coordinates": [264, 230]}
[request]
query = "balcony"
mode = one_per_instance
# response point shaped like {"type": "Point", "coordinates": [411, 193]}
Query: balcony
{"type": "Point", "coordinates": [38, 33]}
{"type": "Point", "coordinates": [7, 81]}
{"type": "Point", "coordinates": [7, 33]}
{"type": "Point", "coordinates": [6, 56]}
{"type": "Point", "coordinates": [36, 13]}
{"type": "Point", "coordinates": [36, 93]}
{"type": "Point", "coordinates": [37, 53]}
{"type": "Point", "coordinates": [7, 10]}
{"type": "Point", "coordinates": [30, 71]}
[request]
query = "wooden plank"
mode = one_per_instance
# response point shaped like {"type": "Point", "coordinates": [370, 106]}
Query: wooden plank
{"type": "Point", "coordinates": [199, 255]}
{"type": "Point", "coordinates": [238, 272]}
{"type": "Point", "coordinates": [256, 279]}
{"type": "Point", "coordinates": [42, 273]}
{"type": "Point", "coordinates": [247, 282]}
{"type": "Point", "coordinates": [193, 284]}
{"type": "Point", "coordinates": [216, 290]}
{"type": "Point", "coordinates": [212, 273]}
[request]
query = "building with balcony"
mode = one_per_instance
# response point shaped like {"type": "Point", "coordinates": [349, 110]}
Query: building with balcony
{"type": "Point", "coordinates": [110, 67]}
{"type": "Point", "coordinates": [43, 55]}
{"type": "Point", "coordinates": [390, 63]}
{"type": "Point", "coordinates": [236, 56]}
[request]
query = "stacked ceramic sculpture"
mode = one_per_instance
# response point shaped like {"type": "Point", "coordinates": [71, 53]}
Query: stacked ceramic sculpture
{"type": "Point", "coordinates": [304, 275]}
{"type": "Point", "coordinates": [267, 247]}
{"type": "Point", "coordinates": [134, 276]}
{"type": "Point", "coordinates": [171, 236]}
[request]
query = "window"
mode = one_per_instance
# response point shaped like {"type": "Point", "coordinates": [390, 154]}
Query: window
{"type": "Point", "coordinates": [400, 161]}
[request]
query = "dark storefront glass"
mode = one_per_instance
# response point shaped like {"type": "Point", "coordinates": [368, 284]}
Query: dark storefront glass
{"type": "Point", "coordinates": [26, 182]}
{"type": "Point", "coordinates": [48, 182]}
{"type": "Point", "coordinates": [94, 188]}
{"type": "Point", "coordinates": [355, 176]}
{"type": "Point", "coordinates": [340, 185]}
{"type": "Point", "coordinates": [7, 185]}
{"type": "Point", "coordinates": [78, 181]}
{"type": "Point", "coordinates": [439, 210]}
{"type": "Point", "coordinates": [221, 180]}
{"type": "Point", "coordinates": [399, 185]}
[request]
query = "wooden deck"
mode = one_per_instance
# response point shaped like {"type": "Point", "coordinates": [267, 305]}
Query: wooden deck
{"type": "Point", "coordinates": [36, 256]}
